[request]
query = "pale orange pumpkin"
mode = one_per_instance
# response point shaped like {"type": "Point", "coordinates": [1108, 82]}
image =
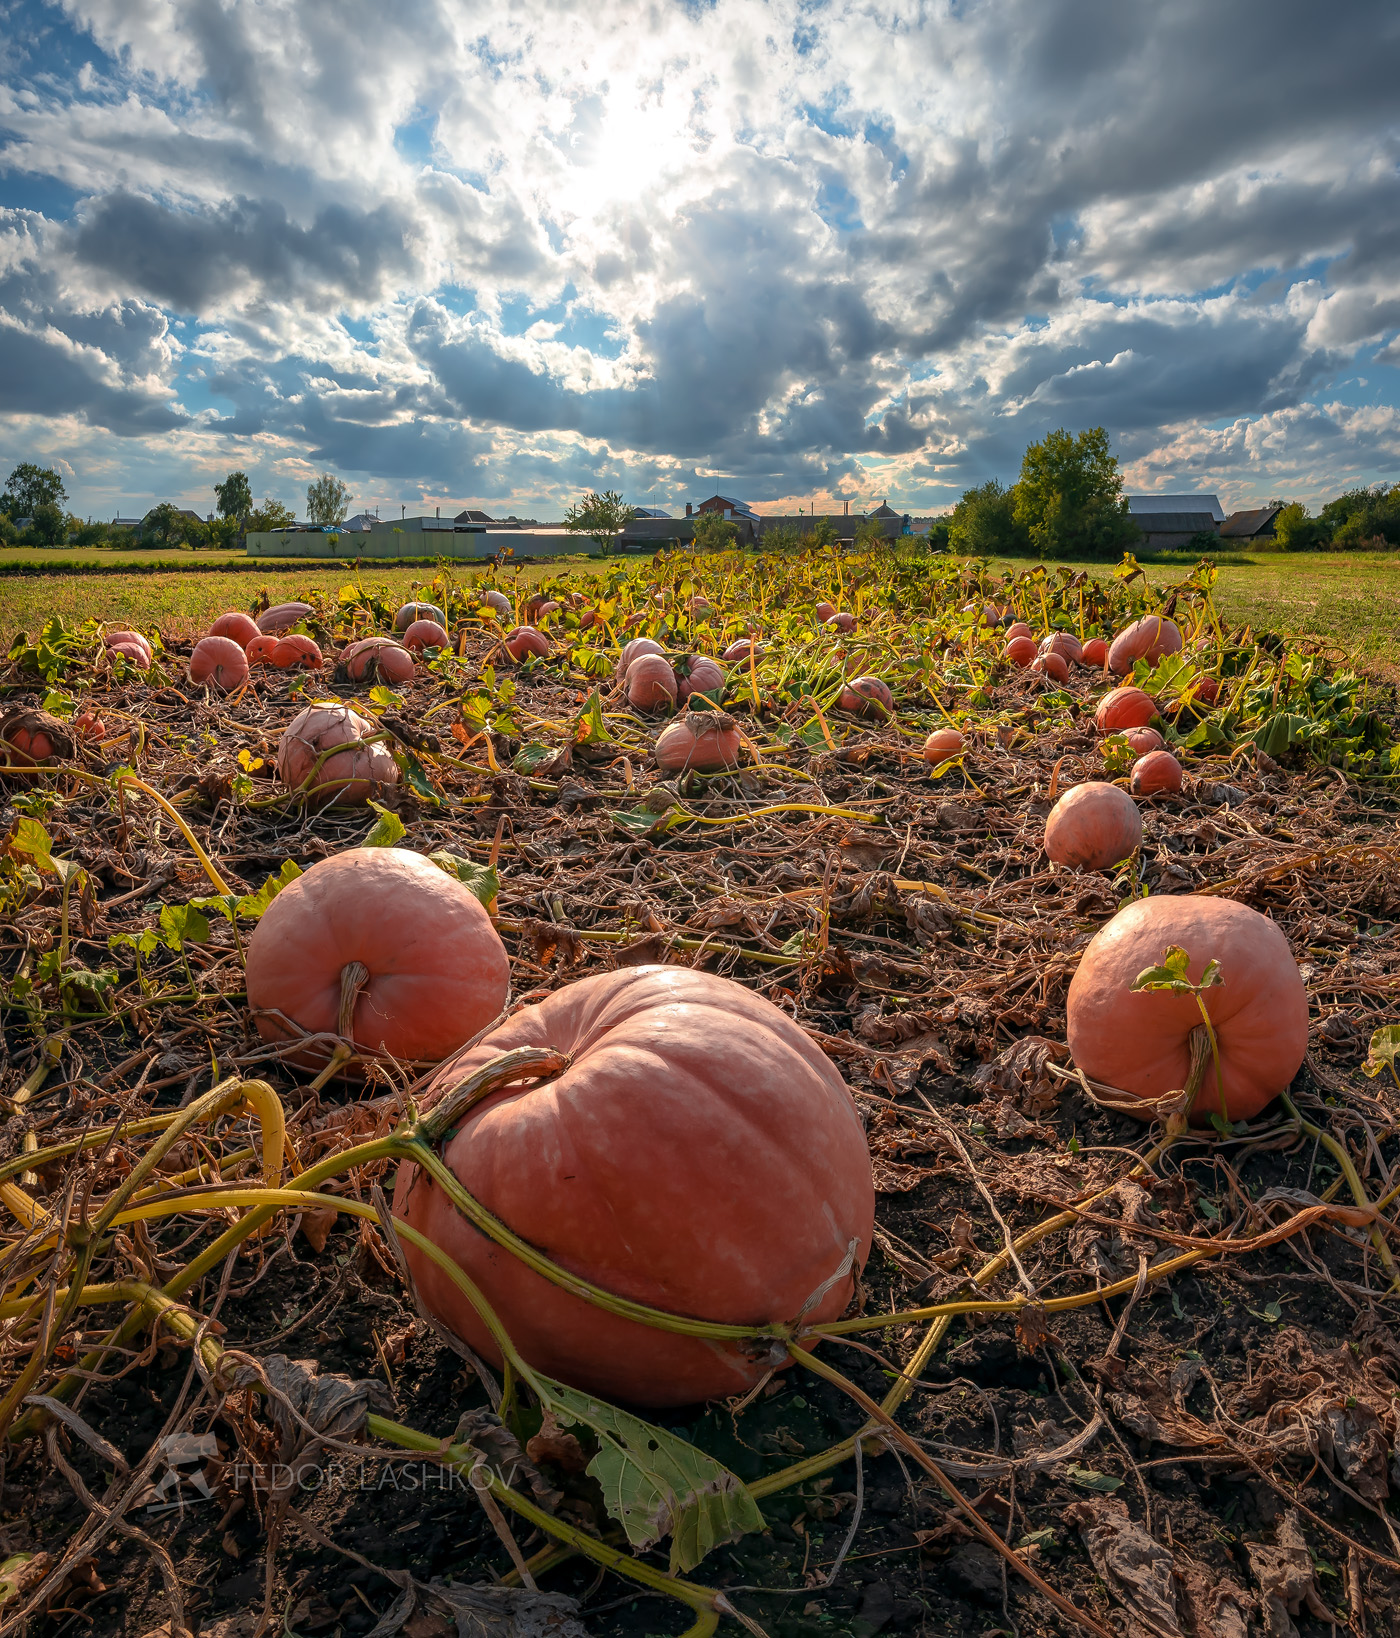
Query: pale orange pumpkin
{"type": "Point", "coordinates": [738, 653]}
{"type": "Point", "coordinates": [1124, 708]}
{"type": "Point", "coordinates": [1157, 772]}
{"type": "Point", "coordinates": [497, 602]}
{"type": "Point", "coordinates": [1017, 628]}
{"type": "Point", "coordinates": [843, 621]}
{"type": "Point", "coordinates": [408, 949]}
{"type": "Point", "coordinates": [261, 650]}
{"type": "Point", "coordinates": [942, 745]}
{"type": "Point", "coordinates": [651, 683]}
{"type": "Point", "coordinates": [425, 634]}
{"type": "Point", "coordinates": [1063, 643]}
{"type": "Point", "coordinates": [411, 613]}
{"type": "Point", "coordinates": [634, 649]}
{"type": "Point", "coordinates": [220, 662]}
{"type": "Point", "coordinates": [1093, 827]}
{"type": "Point", "coordinates": [1146, 639]}
{"type": "Point", "coordinates": [698, 674]}
{"type": "Point", "coordinates": [524, 641]}
{"type": "Point", "coordinates": [1139, 1041]}
{"type": "Point", "coordinates": [30, 737]}
{"type": "Point", "coordinates": [699, 1154]}
{"type": "Point", "coordinates": [1143, 740]}
{"type": "Point", "coordinates": [240, 627]}
{"type": "Point", "coordinates": [349, 776]}
{"type": "Point", "coordinates": [703, 741]}
{"type": "Point", "coordinates": [824, 611]}
{"type": "Point", "coordinates": [867, 697]}
{"type": "Point", "coordinates": [376, 659]}
{"type": "Point", "coordinates": [1052, 665]}
{"type": "Point", "coordinates": [294, 649]}
{"type": "Point", "coordinates": [282, 617]}
{"type": "Point", "coordinates": [132, 644]}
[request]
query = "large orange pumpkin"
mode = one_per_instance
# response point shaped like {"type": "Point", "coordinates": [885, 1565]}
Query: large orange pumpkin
{"type": "Point", "coordinates": [942, 745]}
{"type": "Point", "coordinates": [1146, 639]}
{"type": "Point", "coordinates": [1140, 1041]}
{"type": "Point", "coordinates": [699, 741]}
{"type": "Point", "coordinates": [376, 659]}
{"type": "Point", "coordinates": [1020, 650]}
{"type": "Point", "coordinates": [425, 634]}
{"type": "Point", "coordinates": [1093, 827]}
{"type": "Point", "coordinates": [651, 683]}
{"type": "Point", "coordinates": [220, 662]}
{"type": "Point", "coordinates": [282, 617]}
{"type": "Point", "coordinates": [411, 613]}
{"type": "Point", "coordinates": [132, 644]}
{"type": "Point", "coordinates": [698, 674]}
{"type": "Point", "coordinates": [699, 1155]}
{"type": "Point", "coordinates": [293, 650]}
{"type": "Point", "coordinates": [632, 650]}
{"type": "Point", "coordinates": [347, 777]}
{"type": "Point", "coordinates": [1094, 653]}
{"type": "Point", "coordinates": [241, 627]}
{"type": "Point", "coordinates": [1063, 643]}
{"type": "Point", "coordinates": [1156, 772]}
{"type": "Point", "coordinates": [524, 641]}
{"type": "Point", "coordinates": [405, 950]}
{"type": "Point", "coordinates": [1124, 708]}
{"type": "Point", "coordinates": [1053, 665]}
{"type": "Point", "coordinates": [867, 697]}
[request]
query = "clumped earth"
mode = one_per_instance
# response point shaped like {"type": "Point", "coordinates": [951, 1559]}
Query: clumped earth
{"type": "Point", "coordinates": [1170, 1405]}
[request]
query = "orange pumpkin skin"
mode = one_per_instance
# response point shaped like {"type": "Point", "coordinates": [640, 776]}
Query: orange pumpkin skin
{"type": "Point", "coordinates": [1020, 650]}
{"type": "Point", "coordinates": [411, 613]}
{"type": "Point", "coordinates": [1063, 643]}
{"type": "Point", "coordinates": [261, 650]}
{"type": "Point", "coordinates": [1146, 639]}
{"type": "Point", "coordinates": [698, 674]}
{"type": "Point", "coordinates": [651, 683]}
{"type": "Point", "coordinates": [1204, 689]}
{"type": "Point", "coordinates": [282, 617]}
{"type": "Point", "coordinates": [1093, 827]}
{"type": "Point", "coordinates": [1017, 628]}
{"type": "Point", "coordinates": [294, 649]}
{"type": "Point", "coordinates": [942, 744]}
{"type": "Point", "coordinates": [1094, 653]}
{"type": "Point", "coordinates": [843, 621]}
{"type": "Point", "coordinates": [124, 642]}
{"type": "Point", "coordinates": [699, 1155]}
{"type": "Point", "coordinates": [525, 640]}
{"type": "Point", "coordinates": [30, 737]}
{"type": "Point", "coordinates": [738, 653]}
{"type": "Point", "coordinates": [867, 697]}
{"type": "Point", "coordinates": [824, 611]}
{"type": "Point", "coordinates": [1124, 708]}
{"type": "Point", "coordinates": [1143, 740]}
{"type": "Point", "coordinates": [700, 741]}
{"type": "Point", "coordinates": [241, 627]}
{"type": "Point", "coordinates": [139, 656]}
{"type": "Point", "coordinates": [634, 649]}
{"type": "Point", "coordinates": [377, 657]}
{"type": "Point", "coordinates": [90, 725]}
{"type": "Point", "coordinates": [425, 634]}
{"type": "Point", "coordinates": [1141, 1041]}
{"type": "Point", "coordinates": [1052, 665]}
{"type": "Point", "coordinates": [497, 602]}
{"type": "Point", "coordinates": [1156, 772]}
{"type": "Point", "coordinates": [349, 777]}
{"type": "Point", "coordinates": [220, 662]}
{"type": "Point", "coordinates": [438, 972]}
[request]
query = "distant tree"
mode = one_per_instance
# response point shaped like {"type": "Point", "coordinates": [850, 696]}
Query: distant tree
{"type": "Point", "coordinates": [822, 534]}
{"type": "Point", "coordinates": [870, 533]}
{"type": "Point", "coordinates": [50, 526]}
{"type": "Point", "coordinates": [1362, 515]}
{"type": "Point", "coordinates": [1069, 497]}
{"type": "Point", "coordinates": [937, 536]}
{"type": "Point", "coordinates": [234, 496]}
{"type": "Point", "coordinates": [29, 487]}
{"type": "Point", "coordinates": [781, 537]}
{"type": "Point", "coordinates": [163, 524]}
{"type": "Point", "coordinates": [327, 501]}
{"type": "Point", "coordinates": [270, 515]}
{"type": "Point", "coordinates": [714, 532]}
{"type": "Point", "coordinates": [600, 516]}
{"type": "Point", "coordinates": [1296, 530]}
{"type": "Point", "coordinates": [221, 533]}
{"type": "Point", "coordinates": [984, 523]}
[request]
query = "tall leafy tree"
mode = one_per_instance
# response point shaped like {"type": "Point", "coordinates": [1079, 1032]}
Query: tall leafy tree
{"type": "Point", "coordinates": [984, 523]}
{"type": "Point", "coordinates": [601, 516]}
{"type": "Point", "coordinates": [714, 532]}
{"type": "Point", "coordinates": [270, 515]}
{"type": "Point", "coordinates": [327, 501]}
{"type": "Point", "coordinates": [234, 495]}
{"type": "Point", "coordinates": [1069, 497]}
{"type": "Point", "coordinates": [29, 487]}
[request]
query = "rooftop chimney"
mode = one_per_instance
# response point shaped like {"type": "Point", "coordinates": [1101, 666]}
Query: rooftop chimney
{"type": "Point", "coordinates": [438, 511]}
{"type": "Point", "coordinates": [848, 508]}
{"type": "Point", "coordinates": [687, 509]}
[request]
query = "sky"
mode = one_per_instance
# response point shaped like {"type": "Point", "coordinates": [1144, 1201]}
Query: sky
{"type": "Point", "coordinates": [796, 252]}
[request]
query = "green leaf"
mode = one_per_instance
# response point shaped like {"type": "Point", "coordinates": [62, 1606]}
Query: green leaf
{"type": "Point", "coordinates": [387, 829]}
{"type": "Point", "coordinates": [1280, 731]}
{"type": "Point", "coordinates": [1385, 1050]}
{"type": "Point", "coordinates": [531, 756]}
{"type": "Point", "coordinates": [183, 924]}
{"type": "Point", "coordinates": [589, 727]}
{"type": "Point", "coordinates": [10, 1571]}
{"type": "Point", "coordinates": [95, 984]}
{"type": "Point", "coordinates": [252, 905]}
{"type": "Point", "coordinates": [481, 879]}
{"type": "Point", "coordinates": [1088, 1478]}
{"type": "Point", "coordinates": [385, 698]}
{"type": "Point", "coordinates": [645, 822]}
{"type": "Point", "coordinates": [656, 1484]}
{"type": "Point", "coordinates": [225, 903]}
{"type": "Point", "coordinates": [31, 839]}
{"type": "Point", "coordinates": [412, 770]}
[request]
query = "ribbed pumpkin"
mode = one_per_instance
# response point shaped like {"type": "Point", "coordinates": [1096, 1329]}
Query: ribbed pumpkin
{"type": "Point", "coordinates": [425, 634]}
{"type": "Point", "coordinates": [411, 613]}
{"type": "Point", "coordinates": [1052, 665]}
{"type": "Point", "coordinates": [1018, 628]}
{"type": "Point", "coordinates": [1140, 1041]}
{"type": "Point", "coordinates": [132, 644]}
{"type": "Point", "coordinates": [867, 697]}
{"type": "Point", "coordinates": [1146, 639]}
{"type": "Point", "coordinates": [29, 737]}
{"type": "Point", "coordinates": [1124, 708]}
{"type": "Point", "coordinates": [524, 641]}
{"type": "Point", "coordinates": [282, 617]}
{"type": "Point", "coordinates": [1143, 740]}
{"type": "Point", "coordinates": [1155, 773]}
{"type": "Point", "coordinates": [703, 741]}
{"type": "Point", "coordinates": [1020, 650]}
{"type": "Point", "coordinates": [1093, 827]}
{"type": "Point", "coordinates": [634, 649]}
{"type": "Point", "coordinates": [699, 1155]}
{"type": "Point", "coordinates": [698, 674]}
{"type": "Point", "coordinates": [220, 662]}
{"type": "Point", "coordinates": [349, 776]}
{"type": "Point", "coordinates": [293, 650]}
{"type": "Point", "coordinates": [497, 602]}
{"type": "Point", "coordinates": [407, 950]}
{"type": "Point", "coordinates": [1064, 643]}
{"type": "Point", "coordinates": [376, 659]}
{"type": "Point", "coordinates": [1094, 653]}
{"type": "Point", "coordinates": [241, 627]}
{"type": "Point", "coordinates": [651, 683]}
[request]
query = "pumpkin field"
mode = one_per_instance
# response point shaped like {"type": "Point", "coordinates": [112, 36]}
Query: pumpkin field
{"type": "Point", "coordinates": [818, 1093]}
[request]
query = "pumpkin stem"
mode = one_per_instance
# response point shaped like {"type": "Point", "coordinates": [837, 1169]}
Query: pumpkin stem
{"type": "Point", "coordinates": [354, 975]}
{"type": "Point", "coordinates": [522, 1063]}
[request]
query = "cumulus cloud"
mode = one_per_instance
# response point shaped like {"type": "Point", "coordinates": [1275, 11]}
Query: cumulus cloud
{"type": "Point", "coordinates": [801, 248]}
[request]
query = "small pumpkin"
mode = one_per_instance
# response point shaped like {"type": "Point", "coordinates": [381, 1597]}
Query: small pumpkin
{"type": "Point", "coordinates": [702, 741]}
{"type": "Point", "coordinates": [699, 1154]}
{"type": "Point", "coordinates": [1124, 708]}
{"type": "Point", "coordinates": [32, 737]}
{"type": "Point", "coordinates": [425, 634]}
{"type": "Point", "coordinates": [242, 628]}
{"type": "Point", "coordinates": [1094, 654]}
{"type": "Point", "coordinates": [1052, 665]}
{"type": "Point", "coordinates": [282, 617]}
{"type": "Point", "coordinates": [942, 745]}
{"type": "Point", "coordinates": [90, 725]}
{"type": "Point", "coordinates": [631, 650]}
{"type": "Point", "coordinates": [349, 776]}
{"type": "Point", "coordinates": [261, 650]}
{"type": "Point", "coordinates": [1146, 639]}
{"type": "Point", "coordinates": [497, 602]}
{"type": "Point", "coordinates": [220, 662]}
{"type": "Point", "coordinates": [824, 611]}
{"type": "Point", "coordinates": [867, 697]}
{"type": "Point", "coordinates": [1203, 691]}
{"type": "Point", "coordinates": [374, 659]}
{"type": "Point", "coordinates": [1143, 740]}
{"type": "Point", "coordinates": [1157, 772]}
{"type": "Point", "coordinates": [651, 683]}
{"type": "Point", "coordinates": [842, 621]}
{"type": "Point", "coordinates": [1140, 1041]}
{"type": "Point", "coordinates": [738, 653]}
{"type": "Point", "coordinates": [294, 650]}
{"type": "Point", "coordinates": [132, 644]}
{"type": "Point", "coordinates": [1093, 826]}
{"type": "Point", "coordinates": [411, 613]}
{"type": "Point", "coordinates": [524, 641]}
{"type": "Point", "coordinates": [698, 674]}
{"type": "Point", "coordinates": [1017, 628]}
{"type": "Point", "coordinates": [1064, 643]}
{"type": "Point", "coordinates": [384, 941]}
{"type": "Point", "coordinates": [1020, 650]}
